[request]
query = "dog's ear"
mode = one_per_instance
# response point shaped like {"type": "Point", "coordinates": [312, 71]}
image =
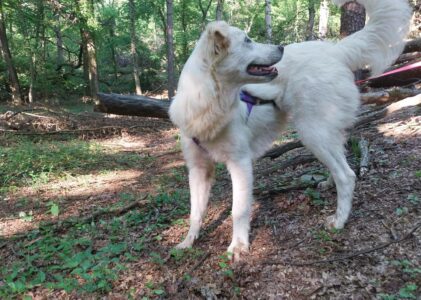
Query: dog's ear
{"type": "Point", "coordinates": [217, 33]}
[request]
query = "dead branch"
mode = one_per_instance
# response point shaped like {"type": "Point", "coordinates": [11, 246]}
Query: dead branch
{"type": "Point", "coordinates": [278, 151]}
{"type": "Point", "coordinates": [387, 96]}
{"type": "Point", "coordinates": [350, 255]}
{"type": "Point", "coordinates": [297, 160]}
{"type": "Point", "coordinates": [199, 263]}
{"type": "Point", "coordinates": [365, 157]}
{"type": "Point", "coordinates": [95, 216]}
{"type": "Point", "coordinates": [63, 224]}
{"type": "Point", "coordinates": [408, 102]}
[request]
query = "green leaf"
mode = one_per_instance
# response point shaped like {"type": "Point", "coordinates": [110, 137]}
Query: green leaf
{"type": "Point", "coordinates": [159, 292]}
{"type": "Point", "coordinates": [39, 278]}
{"type": "Point", "coordinates": [54, 210]}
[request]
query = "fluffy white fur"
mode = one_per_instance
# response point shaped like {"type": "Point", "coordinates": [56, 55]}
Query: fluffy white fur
{"type": "Point", "coordinates": [315, 88]}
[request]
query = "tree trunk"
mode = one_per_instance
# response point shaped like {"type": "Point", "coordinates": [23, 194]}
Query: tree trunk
{"type": "Point", "coordinates": [170, 49]}
{"type": "Point", "coordinates": [311, 17]}
{"type": "Point", "coordinates": [112, 48]}
{"type": "Point", "coordinates": [90, 64]}
{"type": "Point", "coordinates": [324, 19]}
{"type": "Point", "coordinates": [133, 46]}
{"type": "Point", "coordinates": [59, 42]}
{"type": "Point", "coordinates": [184, 25]}
{"type": "Point", "coordinates": [4, 47]}
{"type": "Point", "coordinates": [90, 67]}
{"type": "Point", "coordinates": [219, 10]}
{"type": "Point", "coordinates": [352, 18]}
{"type": "Point", "coordinates": [32, 70]}
{"type": "Point", "coordinates": [268, 20]}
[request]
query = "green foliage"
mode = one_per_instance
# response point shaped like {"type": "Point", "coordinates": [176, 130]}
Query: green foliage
{"type": "Point", "coordinates": [314, 197]}
{"type": "Point", "coordinates": [414, 199]}
{"type": "Point", "coordinates": [29, 162]}
{"type": "Point", "coordinates": [88, 258]}
{"type": "Point", "coordinates": [34, 25]}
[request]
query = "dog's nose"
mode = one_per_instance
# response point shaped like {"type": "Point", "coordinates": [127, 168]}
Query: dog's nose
{"type": "Point", "coordinates": [281, 48]}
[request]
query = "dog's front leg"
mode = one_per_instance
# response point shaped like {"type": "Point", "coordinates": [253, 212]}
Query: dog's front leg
{"type": "Point", "coordinates": [242, 184]}
{"type": "Point", "coordinates": [201, 175]}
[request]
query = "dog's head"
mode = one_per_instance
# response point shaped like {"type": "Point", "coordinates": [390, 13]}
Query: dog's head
{"type": "Point", "coordinates": [235, 57]}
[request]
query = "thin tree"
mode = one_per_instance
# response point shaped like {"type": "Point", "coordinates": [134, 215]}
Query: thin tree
{"type": "Point", "coordinates": [268, 20]}
{"type": "Point", "coordinates": [204, 9]}
{"type": "Point", "coordinates": [133, 46]}
{"type": "Point", "coordinates": [323, 19]}
{"type": "Point", "coordinates": [170, 49]}
{"type": "Point", "coordinates": [59, 40]}
{"type": "Point", "coordinates": [7, 56]}
{"type": "Point", "coordinates": [90, 67]}
{"type": "Point", "coordinates": [352, 18]}
{"type": "Point", "coordinates": [311, 18]}
{"type": "Point", "coordinates": [219, 10]}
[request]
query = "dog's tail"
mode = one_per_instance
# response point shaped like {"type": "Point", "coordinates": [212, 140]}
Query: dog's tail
{"type": "Point", "coordinates": [381, 41]}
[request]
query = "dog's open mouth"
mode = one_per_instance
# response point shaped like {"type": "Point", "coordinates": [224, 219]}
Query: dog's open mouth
{"type": "Point", "coordinates": [261, 70]}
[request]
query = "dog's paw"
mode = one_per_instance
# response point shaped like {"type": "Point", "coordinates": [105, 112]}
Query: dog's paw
{"type": "Point", "coordinates": [236, 249]}
{"type": "Point", "coordinates": [332, 222]}
{"type": "Point", "coordinates": [187, 243]}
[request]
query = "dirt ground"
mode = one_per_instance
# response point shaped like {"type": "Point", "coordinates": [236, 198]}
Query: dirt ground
{"type": "Point", "coordinates": [291, 256]}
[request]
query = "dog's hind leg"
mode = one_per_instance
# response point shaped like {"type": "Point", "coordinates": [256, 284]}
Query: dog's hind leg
{"type": "Point", "coordinates": [328, 148]}
{"type": "Point", "coordinates": [242, 185]}
{"type": "Point", "coordinates": [201, 174]}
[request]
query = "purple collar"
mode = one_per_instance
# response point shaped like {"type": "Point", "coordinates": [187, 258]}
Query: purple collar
{"type": "Point", "coordinates": [251, 101]}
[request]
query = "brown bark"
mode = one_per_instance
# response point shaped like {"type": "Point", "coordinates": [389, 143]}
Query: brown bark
{"type": "Point", "coordinates": [170, 49]}
{"type": "Point", "coordinates": [133, 46]}
{"type": "Point", "coordinates": [7, 56]}
{"type": "Point", "coordinates": [352, 18]}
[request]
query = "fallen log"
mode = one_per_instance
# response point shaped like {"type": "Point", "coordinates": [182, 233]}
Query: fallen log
{"type": "Point", "coordinates": [408, 57]}
{"type": "Point", "coordinates": [130, 105]}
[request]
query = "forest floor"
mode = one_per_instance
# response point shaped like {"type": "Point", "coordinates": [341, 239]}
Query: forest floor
{"type": "Point", "coordinates": [95, 211]}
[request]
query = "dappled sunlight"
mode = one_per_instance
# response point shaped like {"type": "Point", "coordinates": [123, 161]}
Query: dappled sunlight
{"type": "Point", "coordinates": [402, 129]}
{"type": "Point", "coordinates": [173, 164]}
{"type": "Point", "coordinates": [29, 205]}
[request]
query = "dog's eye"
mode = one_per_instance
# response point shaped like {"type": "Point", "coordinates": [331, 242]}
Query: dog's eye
{"type": "Point", "coordinates": [247, 40]}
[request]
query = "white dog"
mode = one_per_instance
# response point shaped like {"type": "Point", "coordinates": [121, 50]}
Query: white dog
{"type": "Point", "coordinates": [315, 88]}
